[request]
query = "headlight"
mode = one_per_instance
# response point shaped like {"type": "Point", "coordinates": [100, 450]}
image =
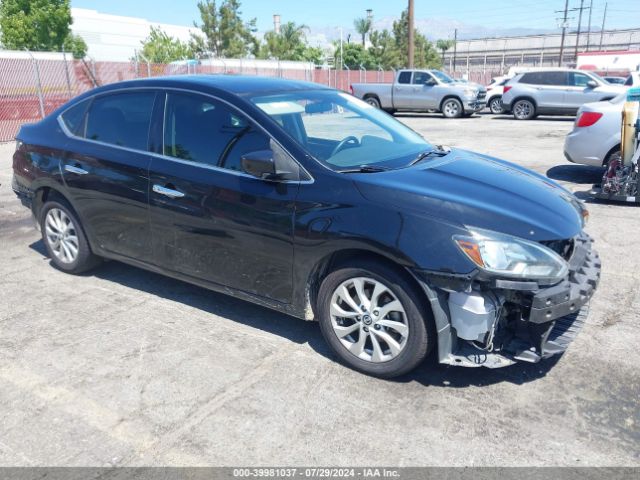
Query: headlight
{"type": "Point", "coordinates": [470, 93]}
{"type": "Point", "coordinates": [509, 256]}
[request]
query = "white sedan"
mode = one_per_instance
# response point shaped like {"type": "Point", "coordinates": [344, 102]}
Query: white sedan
{"type": "Point", "coordinates": [595, 138]}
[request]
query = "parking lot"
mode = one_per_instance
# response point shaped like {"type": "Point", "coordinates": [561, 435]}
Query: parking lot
{"type": "Point", "coordinates": [126, 367]}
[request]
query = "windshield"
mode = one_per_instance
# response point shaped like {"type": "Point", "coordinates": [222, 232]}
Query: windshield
{"type": "Point", "coordinates": [443, 77]}
{"type": "Point", "coordinates": [341, 131]}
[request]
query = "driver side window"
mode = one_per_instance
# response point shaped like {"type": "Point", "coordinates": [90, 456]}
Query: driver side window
{"type": "Point", "coordinates": [421, 78]}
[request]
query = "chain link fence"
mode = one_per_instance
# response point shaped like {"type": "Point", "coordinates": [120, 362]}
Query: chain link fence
{"type": "Point", "coordinates": [33, 84]}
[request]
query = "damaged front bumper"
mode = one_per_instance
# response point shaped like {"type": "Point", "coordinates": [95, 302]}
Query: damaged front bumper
{"type": "Point", "coordinates": [525, 322]}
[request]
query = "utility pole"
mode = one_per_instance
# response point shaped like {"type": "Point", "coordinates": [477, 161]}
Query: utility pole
{"type": "Point", "coordinates": [589, 27]}
{"type": "Point", "coordinates": [604, 19]}
{"type": "Point", "coordinates": [455, 47]}
{"type": "Point", "coordinates": [410, 52]}
{"type": "Point", "coordinates": [578, 32]}
{"type": "Point", "coordinates": [564, 31]}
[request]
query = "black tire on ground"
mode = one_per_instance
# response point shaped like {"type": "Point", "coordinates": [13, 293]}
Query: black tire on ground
{"type": "Point", "coordinates": [452, 108]}
{"type": "Point", "coordinates": [84, 259]}
{"type": "Point", "coordinates": [495, 105]}
{"type": "Point", "coordinates": [390, 111]}
{"type": "Point", "coordinates": [524, 110]}
{"type": "Point", "coordinates": [373, 101]}
{"type": "Point", "coordinates": [421, 337]}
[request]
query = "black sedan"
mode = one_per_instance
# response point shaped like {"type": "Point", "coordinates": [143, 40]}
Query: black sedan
{"type": "Point", "coordinates": [309, 201]}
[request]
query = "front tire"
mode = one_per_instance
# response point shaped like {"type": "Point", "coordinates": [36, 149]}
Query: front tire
{"type": "Point", "coordinates": [64, 238]}
{"type": "Point", "coordinates": [452, 108]}
{"type": "Point", "coordinates": [374, 320]}
{"type": "Point", "coordinates": [495, 105]}
{"type": "Point", "coordinates": [524, 110]}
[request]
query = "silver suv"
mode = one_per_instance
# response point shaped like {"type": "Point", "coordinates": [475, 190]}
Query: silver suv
{"type": "Point", "coordinates": [554, 92]}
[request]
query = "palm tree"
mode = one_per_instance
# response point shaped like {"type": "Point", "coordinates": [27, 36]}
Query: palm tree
{"type": "Point", "coordinates": [363, 25]}
{"type": "Point", "coordinates": [444, 45]}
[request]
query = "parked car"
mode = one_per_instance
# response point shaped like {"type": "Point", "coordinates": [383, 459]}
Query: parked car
{"type": "Point", "coordinates": [309, 201]}
{"type": "Point", "coordinates": [595, 138]}
{"type": "Point", "coordinates": [424, 90]}
{"type": "Point", "coordinates": [494, 94]}
{"type": "Point", "coordinates": [554, 92]}
{"type": "Point", "coordinates": [616, 80]}
{"type": "Point", "coordinates": [633, 80]}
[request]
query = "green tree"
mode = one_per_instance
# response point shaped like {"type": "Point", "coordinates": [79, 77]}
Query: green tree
{"type": "Point", "coordinates": [159, 47]}
{"type": "Point", "coordinates": [288, 44]}
{"type": "Point", "coordinates": [75, 45]}
{"type": "Point", "coordinates": [34, 24]}
{"type": "Point", "coordinates": [425, 54]}
{"type": "Point", "coordinates": [443, 46]}
{"type": "Point", "coordinates": [354, 55]}
{"type": "Point", "coordinates": [226, 34]}
{"type": "Point", "coordinates": [363, 26]}
{"type": "Point", "coordinates": [384, 50]}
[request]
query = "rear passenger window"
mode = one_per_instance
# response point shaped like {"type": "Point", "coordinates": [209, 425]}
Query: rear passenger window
{"type": "Point", "coordinates": [121, 119]}
{"type": "Point", "coordinates": [404, 77]}
{"type": "Point", "coordinates": [73, 118]}
{"type": "Point", "coordinates": [203, 130]}
{"type": "Point", "coordinates": [544, 78]}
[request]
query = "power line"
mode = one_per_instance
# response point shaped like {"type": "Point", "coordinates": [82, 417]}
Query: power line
{"type": "Point", "coordinates": [564, 30]}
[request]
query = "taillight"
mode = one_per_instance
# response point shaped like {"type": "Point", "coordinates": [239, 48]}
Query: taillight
{"type": "Point", "coordinates": [351, 89]}
{"type": "Point", "coordinates": [506, 89]}
{"type": "Point", "coordinates": [587, 119]}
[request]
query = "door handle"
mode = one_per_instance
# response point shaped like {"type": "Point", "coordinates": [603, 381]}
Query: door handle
{"type": "Point", "coordinates": [167, 192]}
{"type": "Point", "coordinates": [76, 170]}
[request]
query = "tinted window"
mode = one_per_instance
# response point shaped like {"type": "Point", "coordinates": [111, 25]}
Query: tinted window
{"type": "Point", "coordinates": [203, 130]}
{"type": "Point", "coordinates": [579, 79]}
{"type": "Point", "coordinates": [404, 77]}
{"type": "Point", "coordinates": [544, 78]}
{"type": "Point", "coordinates": [420, 78]}
{"type": "Point", "coordinates": [629, 80]}
{"type": "Point", "coordinates": [73, 118]}
{"type": "Point", "coordinates": [121, 119]}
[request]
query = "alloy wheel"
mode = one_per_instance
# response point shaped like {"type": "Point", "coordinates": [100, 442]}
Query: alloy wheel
{"type": "Point", "coordinates": [61, 235]}
{"type": "Point", "coordinates": [522, 110]}
{"type": "Point", "coordinates": [451, 109]}
{"type": "Point", "coordinates": [496, 106]}
{"type": "Point", "coordinates": [369, 320]}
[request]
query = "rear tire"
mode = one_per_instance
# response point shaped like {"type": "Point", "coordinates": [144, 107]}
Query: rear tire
{"type": "Point", "coordinates": [391, 335]}
{"type": "Point", "coordinates": [452, 108]}
{"type": "Point", "coordinates": [64, 238]}
{"type": "Point", "coordinates": [524, 110]}
{"type": "Point", "coordinates": [373, 101]}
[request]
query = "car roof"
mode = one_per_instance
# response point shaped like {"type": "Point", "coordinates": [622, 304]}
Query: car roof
{"type": "Point", "coordinates": [240, 85]}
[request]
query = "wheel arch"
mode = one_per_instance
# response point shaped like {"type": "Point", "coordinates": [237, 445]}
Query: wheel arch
{"type": "Point", "coordinates": [447, 97]}
{"type": "Point", "coordinates": [611, 151]}
{"type": "Point", "coordinates": [339, 258]}
{"type": "Point", "coordinates": [524, 97]}
{"type": "Point", "coordinates": [372, 95]}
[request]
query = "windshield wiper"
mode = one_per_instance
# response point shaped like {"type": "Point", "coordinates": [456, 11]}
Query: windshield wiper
{"type": "Point", "coordinates": [365, 169]}
{"type": "Point", "coordinates": [439, 151]}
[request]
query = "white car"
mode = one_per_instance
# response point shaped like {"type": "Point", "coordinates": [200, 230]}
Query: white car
{"type": "Point", "coordinates": [595, 138]}
{"type": "Point", "coordinates": [633, 80]}
{"type": "Point", "coordinates": [494, 94]}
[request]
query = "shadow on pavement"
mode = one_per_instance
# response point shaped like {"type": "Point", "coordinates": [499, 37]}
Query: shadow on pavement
{"type": "Point", "coordinates": [430, 373]}
{"type": "Point", "coordinates": [582, 174]}
{"type": "Point", "coordinates": [506, 116]}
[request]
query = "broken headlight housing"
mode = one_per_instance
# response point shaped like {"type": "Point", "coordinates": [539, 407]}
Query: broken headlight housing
{"type": "Point", "coordinates": [508, 256]}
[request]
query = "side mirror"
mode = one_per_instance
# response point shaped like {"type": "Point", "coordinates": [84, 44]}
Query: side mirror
{"type": "Point", "coordinates": [260, 164]}
{"type": "Point", "coordinates": [592, 84]}
{"type": "Point", "coordinates": [430, 83]}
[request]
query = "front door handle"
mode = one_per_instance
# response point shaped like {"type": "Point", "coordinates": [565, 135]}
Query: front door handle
{"type": "Point", "coordinates": [76, 170]}
{"type": "Point", "coordinates": [167, 192]}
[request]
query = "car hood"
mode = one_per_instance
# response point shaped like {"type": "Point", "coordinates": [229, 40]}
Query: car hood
{"type": "Point", "coordinates": [474, 190]}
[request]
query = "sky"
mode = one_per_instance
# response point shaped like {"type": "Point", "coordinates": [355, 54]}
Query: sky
{"type": "Point", "coordinates": [435, 18]}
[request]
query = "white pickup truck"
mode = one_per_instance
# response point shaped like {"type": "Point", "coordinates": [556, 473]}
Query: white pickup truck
{"type": "Point", "coordinates": [424, 90]}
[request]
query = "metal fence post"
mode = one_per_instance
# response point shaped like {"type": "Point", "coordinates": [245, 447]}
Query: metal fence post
{"type": "Point", "coordinates": [36, 72]}
{"type": "Point", "coordinates": [362, 69]}
{"type": "Point", "coordinates": [380, 74]}
{"type": "Point", "coordinates": [148, 65]}
{"type": "Point", "coordinates": [66, 72]}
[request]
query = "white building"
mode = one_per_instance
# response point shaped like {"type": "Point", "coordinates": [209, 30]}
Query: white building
{"type": "Point", "coordinates": [115, 37]}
